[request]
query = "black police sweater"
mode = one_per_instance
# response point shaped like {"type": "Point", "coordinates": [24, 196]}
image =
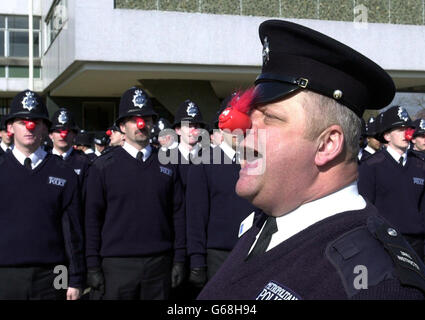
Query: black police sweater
{"type": "Point", "coordinates": [397, 191]}
{"type": "Point", "coordinates": [40, 216]}
{"type": "Point", "coordinates": [213, 209]}
{"type": "Point", "coordinates": [319, 263]}
{"type": "Point", "coordinates": [133, 208]}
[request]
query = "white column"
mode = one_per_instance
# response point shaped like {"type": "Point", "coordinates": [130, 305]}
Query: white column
{"type": "Point", "coordinates": [31, 47]}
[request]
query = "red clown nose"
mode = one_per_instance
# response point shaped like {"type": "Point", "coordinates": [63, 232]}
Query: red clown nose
{"type": "Point", "coordinates": [9, 134]}
{"type": "Point", "coordinates": [233, 119]}
{"type": "Point", "coordinates": [140, 123]}
{"type": "Point", "coordinates": [408, 134]}
{"type": "Point", "coordinates": [236, 116]}
{"type": "Point", "coordinates": [30, 125]}
{"type": "Point", "coordinates": [108, 133]}
{"type": "Point", "coordinates": [63, 133]}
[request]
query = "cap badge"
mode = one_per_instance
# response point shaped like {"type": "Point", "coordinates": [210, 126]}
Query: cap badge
{"type": "Point", "coordinates": [266, 51]}
{"type": "Point", "coordinates": [402, 114]}
{"type": "Point", "coordinates": [161, 125]}
{"type": "Point", "coordinates": [29, 102]}
{"type": "Point", "coordinates": [191, 109]}
{"type": "Point", "coordinates": [63, 117]}
{"type": "Point", "coordinates": [139, 99]}
{"type": "Point", "coordinates": [422, 124]}
{"type": "Point", "coordinates": [371, 120]}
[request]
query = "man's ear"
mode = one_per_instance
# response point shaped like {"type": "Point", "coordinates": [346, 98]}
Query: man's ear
{"type": "Point", "coordinates": [178, 131]}
{"type": "Point", "coordinates": [331, 145]}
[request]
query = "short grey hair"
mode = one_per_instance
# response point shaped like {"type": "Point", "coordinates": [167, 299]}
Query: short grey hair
{"type": "Point", "coordinates": [323, 112]}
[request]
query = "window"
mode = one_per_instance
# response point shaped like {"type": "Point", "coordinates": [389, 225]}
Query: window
{"type": "Point", "coordinates": [14, 46]}
{"type": "Point", "coordinates": [56, 20]}
{"type": "Point", "coordinates": [14, 36]}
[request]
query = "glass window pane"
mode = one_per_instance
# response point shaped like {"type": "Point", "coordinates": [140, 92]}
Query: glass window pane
{"type": "Point", "coordinates": [37, 72]}
{"type": "Point", "coordinates": [17, 22]}
{"type": "Point", "coordinates": [36, 41]}
{"type": "Point", "coordinates": [18, 72]}
{"type": "Point", "coordinates": [36, 23]}
{"type": "Point", "coordinates": [1, 43]}
{"type": "Point", "coordinates": [2, 71]}
{"type": "Point", "coordinates": [18, 44]}
{"type": "Point", "coordinates": [23, 72]}
{"type": "Point", "coordinates": [2, 23]}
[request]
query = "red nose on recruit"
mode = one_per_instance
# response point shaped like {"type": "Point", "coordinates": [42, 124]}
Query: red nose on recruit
{"type": "Point", "coordinates": [140, 123]}
{"type": "Point", "coordinates": [63, 133]}
{"type": "Point", "coordinates": [30, 125]}
{"type": "Point", "coordinates": [408, 134]}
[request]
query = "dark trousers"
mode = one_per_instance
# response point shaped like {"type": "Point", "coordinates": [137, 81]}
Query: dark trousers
{"type": "Point", "coordinates": [29, 283]}
{"type": "Point", "coordinates": [215, 259]}
{"type": "Point", "coordinates": [417, 243]}
{"type": "Point", "coordinates": [139, 278]}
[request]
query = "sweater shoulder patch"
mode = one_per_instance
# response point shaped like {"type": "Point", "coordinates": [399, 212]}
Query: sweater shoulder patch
{"type": "Point", "coordinates": [360, 260]}
{"type": "Point", "coordinates": [409, 268]}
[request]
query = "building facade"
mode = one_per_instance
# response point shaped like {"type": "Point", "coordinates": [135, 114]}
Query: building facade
{"type": "Point", "coordinates": [87, 53]}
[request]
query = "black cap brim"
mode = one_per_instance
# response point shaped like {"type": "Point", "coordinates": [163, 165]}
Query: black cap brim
{"type": "Point", "coordinates": [271, 91]}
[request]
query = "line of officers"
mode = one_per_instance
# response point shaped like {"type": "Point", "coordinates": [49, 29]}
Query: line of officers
{"type": "Point", "coordinates": [124, 224]}
{"type": "Point", "coordinates": [392, 171]}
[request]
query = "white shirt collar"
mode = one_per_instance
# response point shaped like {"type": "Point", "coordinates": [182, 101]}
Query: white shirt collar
{"type": "Point", "coordinates": [185, 151]}
{"type": "Point", "coordinates": [97, 153]}
{"type": "Point", "coordinates": [65, 155]}
{"type": "Point", "coordinates": [228, 150]}
{"type": "Point", "coordinates": [370, 149]}
{"type": "Point", "coordinates": [396, 155]}
{"type": "Point", "coordinates": [5, 147]}
{"type": "Point", "coordinates": [345, 199]}
{"type": "Point", "coordinates": [88, 151]}
{"type": "Point", "coordinates": [133, 151]}
{"type": "Point", "coordinates": [36, 158]}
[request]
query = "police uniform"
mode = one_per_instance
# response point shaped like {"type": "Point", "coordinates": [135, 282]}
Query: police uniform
{"type": "Point", "coordinates": [395, 184]}
{"type": "Point", "coordinates": [188, 112]}
{"type": "Point", "coordinates": [63, 121]}
{"type": "Point", "coordinates": [3, 147]}
{"type": "Point", "coordinates": [213, 210]}
{"type": "Point", "coordinates": [135, 222]}
{"type": "Point", "coordinates": [39, 230]}
{"type": "Point", "coordinates": [312, 251]}
{"type": "Point", "coordinates": [370, 131]}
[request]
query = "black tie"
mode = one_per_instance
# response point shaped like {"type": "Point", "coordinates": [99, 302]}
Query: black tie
{"type": "Point", "coordinates": [139, 156]}
{"type": "Point", "coordinates": [400, 161]}
{"type": "Point", "coordinates": [27, 163]}
{"type": "Point", "coordinates": [264, 240]}
{"type": "Point", "coordinates": [234, 159]}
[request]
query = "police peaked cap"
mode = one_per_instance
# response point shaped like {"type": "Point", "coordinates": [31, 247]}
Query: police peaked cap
{"type": "Point", "coordinates": [28, 105]}
{"type": "Point", "coordinates": [63, 119]}
{"type": "Point", "coordinates": [84, 138]}
{"type": "Point", "coordinates": [135, 102]}
{"type": "Point", "coordinates": [188, 111]}
{"type": "Point", "coordinates": [296, 57]}
{"type": "Point", "coordinates": [394, 117]}
{"type": "Point", "coordinates": [419, 125]}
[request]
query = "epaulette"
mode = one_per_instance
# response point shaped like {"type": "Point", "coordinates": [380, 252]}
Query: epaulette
{"type": "Point", "coordinates": [409, 267]}
{"type": "Point", "coordinates": [378, 252]}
